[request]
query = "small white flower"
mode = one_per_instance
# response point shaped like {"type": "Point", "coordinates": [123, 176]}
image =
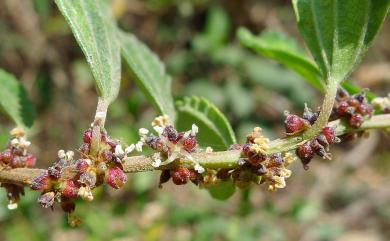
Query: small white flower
{"type": "Point", "coordinates": [158, 129]}
{"type": "Point", "coordinates": [194, 130]}
{"type": "Point", "coordinates": [61, 154]}
{"type": "Point", "coordinates": [209, 149]}
{"type": "Point", "coordinates": [156, 163]}
{"type": "Point", "coordinates": [24, 143]}
{"type": "Point", "coordinates": [138, 146]}
{"type": "Point", "coordinates": [85, 193]}
{"type": "Point", "coordinates": [69, 155]}
{"type": "Point", "coordinates": [89, 162]}
{"type": "Point", "coordinates": [14, 142]}
{"type": "Point", "coordinates": [143, 131]}
{"type": "Point", "coordinates": [241, 162]}
{"type": "Point", "coordinates": [199, 168]}
{"type": "Point", "coordinates": [129, 149]}
{"type": "Point", "coordinates": [186, 134]}
{"type": "Point", "coordinates": [12, 206]}
{"type": "Point", "coordinates": [119, 150]}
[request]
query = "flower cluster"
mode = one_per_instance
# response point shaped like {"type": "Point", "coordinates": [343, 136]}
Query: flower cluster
{"type": "Point", "coordinates": [170, 144]}
{"type": "Point", "coordinates": [259, 167]}
{"type": "Point", "coordinates": [93, 168]}
{"type": "Point", "coordinates": [382, 103]}
{"type": "Point", "coordinates": [16, 155]}
{"type": "Point", "coordinates": [318, 145]}
{"type": "Point", "coordinates": [355, 109]}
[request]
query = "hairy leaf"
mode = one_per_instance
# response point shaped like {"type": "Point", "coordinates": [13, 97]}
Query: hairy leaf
{"type": "Point", "coordinates": [149, 73]}
{"type": "Point", "coordinates": [214, 129]}
{"type": "Point", "coordinates": [14, 100]}
{"type": "Point", "coordinates": [95, 31]}
{"type": "Point", "coordinates": [277, 46]}
{"type": "Point", "coordinates": [339, 32]}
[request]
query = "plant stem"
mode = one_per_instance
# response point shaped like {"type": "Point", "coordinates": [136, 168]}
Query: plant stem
{"type": "Point", "coordinates": [213, 160]}
{"type": "Point", "coordinates": [326, 109]}
{"type": "Point", "coordinates": [98, 124]}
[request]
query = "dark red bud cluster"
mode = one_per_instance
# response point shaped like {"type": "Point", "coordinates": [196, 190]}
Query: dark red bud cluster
{"type": "Point", "coordinates": [15, 158]}
{"type": "Point", "coordinates": [295, 124]}
{"type": "Point", "coordinates": [318, 145]}
{"type": "Point", "coordinates": [353, 108]}
{"type": "Point", "coordinates": [180, 176]}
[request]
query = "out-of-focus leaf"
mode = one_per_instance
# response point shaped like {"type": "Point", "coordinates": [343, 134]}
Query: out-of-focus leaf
{"type": "Point", "coordinates": [277, 46]}
{"type": "Point", "coordinates": [214, 129]}
{"type": "Point", "coordinates": [216, 32]}
{"type": "Point", "coordinates": [149, 73]}
{"type": "Point", "coordinates": [241, 101]}
{"type": "Point", "coordinates": [207, 89]}
{"type": "Point", "coordinates": [95, 31]}
{"type": "Point", "coordinates": [14, 100]}
{"type": "Point", "coordinates": [338, 33]}
{"type": "Point", "coordinates": [353, 89]}
{"type": "Point", "coordinates": [223, 190]}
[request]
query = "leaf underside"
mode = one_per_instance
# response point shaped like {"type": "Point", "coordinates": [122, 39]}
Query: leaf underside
{"type": "Point", "coordinates": [95, 31]}
{"type": "Point", "coordinates": [149, 73]}
{"type": "Point", "coordinates": [214, 129]}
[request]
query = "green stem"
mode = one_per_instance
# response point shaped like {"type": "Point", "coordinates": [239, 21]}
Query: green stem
{"type": "Point", "coordinates": [326, 110]}
{"type": "Point", "coordinates": [98, 124]}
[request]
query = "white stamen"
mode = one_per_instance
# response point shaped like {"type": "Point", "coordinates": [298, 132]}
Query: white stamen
{"type": "Point", "coordinates": [143, 131]}
{"type": "Point", "coordinates": [194, 130]}
{"type": "Point", "coordinates": [158, 129]}
{"type": "Point", "coordinates": [12, 206]}
{"type": "Point", "coordinates": [129, 149]}
{"type": "Point", "coordinates": [61, 154]}
{"type": "Point", "coordinates": [119, 150]}
{"type": "Point", "coordinates": [186, 134]}
{"type": "Point", "coordinates": [156, 163]}
{"type": "Point", "coordinates": [199, 168]}
{"type": "Point", "coordinates": [69, 155]}
{"type": "Point", "coordinates": [14, 142]}
{"type": "Point", "coordinates": [138, 146]}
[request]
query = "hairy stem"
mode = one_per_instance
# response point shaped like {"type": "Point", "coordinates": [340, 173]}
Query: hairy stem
{"type": "Point", "coordinates": [223, 159]}
{"type": "Point", "coordinates": [326, 110]}
{"type": "Point", "coordinates": [98, 124]}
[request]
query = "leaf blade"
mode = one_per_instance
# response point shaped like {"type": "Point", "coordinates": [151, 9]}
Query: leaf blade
{"type": "Point", "coordinates": [95, 32]}
{"type": "Point", "coordinates": [283, 49]}
{"type": "Point", "coordinates": [338, 33]}
{"type": "Point", "coordinates": [14, 100]}
{"type": "Point", "coordinates": [214, 129]}
{"type": "Point", "coordinates": [149, 73]}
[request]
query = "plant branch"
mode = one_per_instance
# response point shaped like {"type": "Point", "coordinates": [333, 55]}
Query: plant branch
{"type": "Point", "coordinates": [223, 159]}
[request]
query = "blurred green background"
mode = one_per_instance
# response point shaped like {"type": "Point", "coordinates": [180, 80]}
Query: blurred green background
{"type": "Point", "coordinates": [344, 199]}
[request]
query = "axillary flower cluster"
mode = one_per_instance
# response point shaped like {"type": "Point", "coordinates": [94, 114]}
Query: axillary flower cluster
{"type": "Point", "coordinates": [16, 155]}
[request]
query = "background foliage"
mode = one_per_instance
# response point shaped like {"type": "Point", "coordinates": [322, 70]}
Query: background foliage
{"type": "Point", "coordinates": [345, 199]}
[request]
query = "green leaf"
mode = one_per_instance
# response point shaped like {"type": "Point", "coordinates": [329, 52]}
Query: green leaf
{"type": "Point", "coordinates": [277, 46]}
{"type": "Point", "coordinates": [14, 100]}
{"type": "Point", "coordinates": [223, 190]}
{"type": "Point", "coordinates": [214, 129]}
{"type": "Point", "coordinates": [95, 31]}
{"type": "Point", "coordinates": [338, 33]}
{"type": "Point", "coordinates": [149, 73]}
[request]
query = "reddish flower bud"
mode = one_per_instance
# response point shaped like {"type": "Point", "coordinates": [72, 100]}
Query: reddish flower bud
{"type": "Point", "coordinates": [364, 109]}
{"type": "Point", "coordinates": [295, 124]}
{"type": "Point", "coordinates": [88, 179]}
{"type": "Point", "coordinates": [190, 143]}
{"type": "Point", "coordinates": [82, 165]}
{"type": "Point", "coordinates": [170, 133]}
{"type": "Point", "coordinates": [342, 108]}
{"type": "Point", "coordinates": [341, 94]}
{"type": "Point", "coordinates": [107, 156]}
{"type": "Point", "coordinates": [155, 143]}
{"type": "Point", "coordinates": [356, 120]}
{"type": "Point", "coordinates": [54, 171]}
{"type": "Point", "coordinates": [329, 134]}
{"type": "Point", "coordinates": [41, 182]}
{"type": "Point", "coordinates": [224, 173]}
{"type": "Point", "coordinates": [164, 177]}
{"type": "Point", "coordinates": [46, 200]}
{"type": "Point", "coordinates": [30, 160]}
{"type": "Point", "coordinates": [275, 160]}
{"type": "Point", "coordinates": [115, 177]}
{"type": "Point", "coordinates": [318, 148]}
{"type": "Point", "coordinates": [260, 170]}
{"type": "Point", "coordinates": [87, 136]}
{"type": "Point", "coordinates": [6, 156]}
{"type": "Point", "coordinates": [180, 175]}
{"type": "Point", "coordinates": [70, 188]}
{"type": "Point", "coordinates": [305, 152]}
{"type": "Point", "coordinates": [353, 102]}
